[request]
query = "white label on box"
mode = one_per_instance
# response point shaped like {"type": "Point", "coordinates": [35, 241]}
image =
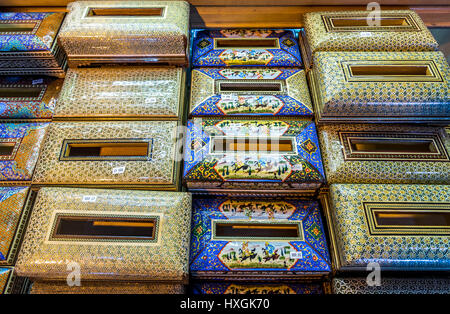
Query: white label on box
{"type": "Point", "coordinates": [89, 198]}
{"type": "Point", "coordinates": [38, 81]}
{"type": "Point", "coordinates": [118, 170]}
{"type": "Point", "coordinates": [297, 167]}
{"type": "Point", "coordinates": [227, 97]}
{"type": "Point", "coordinates": [296, 255]}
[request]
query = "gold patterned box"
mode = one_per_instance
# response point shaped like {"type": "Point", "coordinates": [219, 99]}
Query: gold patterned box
{"type": "Point", "coordinates": [390, 285]}
{"type": "Point", "coordinates": [381, 87]}
{"type": "Point", "coordinates": [232, 156]}
{"type": "Point", "coordinates": [137, 154]}
{"type": "Point", "coordinates": [105, 287]}
{"type": "Point", "coordinates": [126, 32]}
{"type": "Point", "coordinates": [14, 211]}
{"type": "Point", "coordinates": [28, 97]}
{"type": "Point", "coordinates": [395, 30]}
{"type": "Point", "coordinates": [10, 283]}
{"type": "Point", "coordinates": [20, 144]}
{"type": "Point", "coordinates": [28, 44]}
{"type": "Point", "coordinates": [255, 92]}
{"type": "Point", "coordinates": [109, 234]}
{"type": "Point", "coordinates": [375, 153]}
{"type": "Point", "coordinates": [123, 92]}
{"type": "Point", "coordinates": [399, 226]}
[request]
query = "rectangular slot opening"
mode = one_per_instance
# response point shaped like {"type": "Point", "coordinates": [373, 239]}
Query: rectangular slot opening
{"type": "Point", "coordinates": [6, 149]}
{"type": "Point", "coordinates": [393, 146]}
{"type": "Point", "coordinates": [126, 12]}
{"type": "Point", "coordinates": [252, 145]}
{"type": "Point", "coordinates": [23, 92]}
{"type": "Point", "coordinates": [105, 228]}
{"type": "Point", "coordinates": [256, 230]}
{"type": "Point", "coordinates": [132, 149]}
{"type": "Point", "coordinates": [246, 43]}
{"type": "Point", "coordinates": [412, 217]}
{"type": "Point", "coordinates": [362, 22]}
{"type": "Point", "coordinates": [390, 70]}
{"type": "Point", "coordinates": [242, 87]}
{"type": "Point", "coordinates": [17, 27]}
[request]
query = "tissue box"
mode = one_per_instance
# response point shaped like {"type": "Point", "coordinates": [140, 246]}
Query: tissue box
{"type": "Point", "coordinates": [115, 154]}
{"type": "Point", "coordinates": [254, 156]}
{"type": "Point", "coordinates": [14, 211]}
{"type": "Point", "coordinates": [19, 151]}
{"type": "Point", "coordinates": [247, 239]}
{"type": "Point", "coordinates": [401, 227]}
{"type": "Point", "coordinates": [143, 234]}
{"type": "Point", "coordinates": [96, 32]}
{"type": "Point", "coordinates": [246, 47]}
{"type": "Point", "coordinates": [280, 92]}
{"type": "Point", "coordinates": [28, 44]}
{"type": "Point", "coordinates": [122, 93]}
{"type": "Point", "coordinates": [375, 153]}
{"type": "Point", "coordinates": [28, 97]}
{"type": "Point", "coordinates": [381, 87]}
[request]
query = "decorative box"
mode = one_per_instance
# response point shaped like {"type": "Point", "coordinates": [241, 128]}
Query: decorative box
{"type": "Point", "coordinates": [109, 234]}
{"type": "Point", "coordinates": [401, 227]}
{"type": "Point", "coordinates": [28, 97]}
{"type": "Point", "coordinates": [222, 287]}
{"type": "Point", "coordinates": [255, 156]}
{"type": "Point", "coordinates": [97, 32]}
{"type": "Point", "coordinates": [28, 44]}
{"type": "Point", "coordinates": [10, 283]}
{"type": "Point", "coordinates": [250, 92]}
{"type": "Point", "coordinates": [392, 286]}
{"type": "Point", "coordinates": [115, 154]}
{"type": "Point", "coordinates": [246, 47]}
{"type": "Point", "coordinates": [381, 87]}
{"type": "Point", "coordinates": [396, 30]}
{"type": "Point", "coordinates": [125, 92]}
{"type": "Point", "coordinates": [375, 153]}
{"type": "Point", "coordinates": [105, 287]}
{"type": "Point", "coordinates": [14, 210]}
{"type": "Point", "coordinates": [261, 239]}
{"type": "Point", "coordinates": [19, 150]}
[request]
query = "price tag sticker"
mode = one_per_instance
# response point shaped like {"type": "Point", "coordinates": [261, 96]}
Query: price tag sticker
{"type": "Point", "coordinates": [296, 255]}
{"type": "Point", "coordinates": [89, 198]}
{"type": "Point", "coordinates": [38, 81]}
{"type": "Point", "coordinates": [118, 170]}
{"type": "Point", "coordinates": [298, 167]}
{"type": "Point", "coordinates": [229, 97]}
{"type": "Point", "coordinates": [150, 100]}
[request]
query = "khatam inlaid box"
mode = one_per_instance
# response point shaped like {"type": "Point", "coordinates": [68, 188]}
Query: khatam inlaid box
{"type": "Point", "coordinates": [28, 44]}
{"type": "Point", "coordinates": [143, 234]}
{"type": "Point", "coordinates": [381, 87]}
{"type": "Point", "coordinates": [19, 150]}
{"type": "Point", "coordinates": [250, 92]}
{"type": "Point", "coordinates": [105, 287]}
{"type": "Point", "coordinates": [223, 287]}
{"type": "Point", "coordinates": [390, 285]}
{"type": "Point", "coordinates": [375, 153]}
{"type": "Point", "coordinates": [10, 283]}
{"type": "Point", "coordinates": [393, 30]}
{"type": "Point", "coordinates": [28, 97]}
{"type": "Point", "coordinates": [398, 226]}
{"type": "Point", "coordinates": [14, 210]}
{"type": "Point", "coordinates": [138, 154]}
{"type": "Point", "coordinates": [246, 47]}
{"type": "Point", "coordinates": [255, 156]}
{"type": "Point", "coordinates": [248, 239]}
{"type": "Point", "coordinates": [126, 32]}
{"type": "Point", "coordinates": [122, 92]}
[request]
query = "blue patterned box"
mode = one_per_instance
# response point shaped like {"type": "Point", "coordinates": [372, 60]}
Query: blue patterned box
{"type": "Point", "coordinates": [28, 43]}
{"type": "Point", "coordinates": [19, 150]}
{"type": "Point", "coordinates": [28, 97]}
{"type": "Point", "coordinates": [252, 156]}
{"type": "Point", "coordinates": [256, 288]}
{"type": "Point", "coordinates": [280, 92]}
{"type": "Point", "coordinates": [258, 240]}
{"type": "Point", "coordinates": [246, 47]}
